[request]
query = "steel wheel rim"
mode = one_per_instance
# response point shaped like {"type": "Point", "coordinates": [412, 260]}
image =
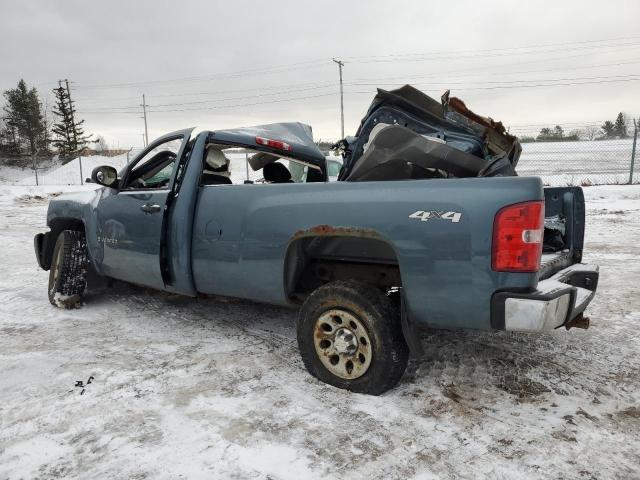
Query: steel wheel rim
{"type": "Point", "coordinates": [342, 344]}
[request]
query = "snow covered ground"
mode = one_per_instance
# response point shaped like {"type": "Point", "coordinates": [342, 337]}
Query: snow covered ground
{"type": "Point", "coordinates": [204, 388]}
{"type": "Point", "coordinates": [77, 170]}
{"type": "Point", "coordinates": [579, 163]}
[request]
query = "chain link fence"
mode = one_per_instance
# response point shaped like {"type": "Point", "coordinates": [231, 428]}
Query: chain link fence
{"type": "Point", "coordinates": [559, 163]}
{"type": "Point", "coordinates": [51, 173]}
{"type": "Point", "coordinates": [598, 162]}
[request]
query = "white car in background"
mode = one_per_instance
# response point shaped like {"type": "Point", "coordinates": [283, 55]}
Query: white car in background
{"type": "Point", "coordinates": [334, 164]}
{"type": "Point", "coordinates": [299, 172]}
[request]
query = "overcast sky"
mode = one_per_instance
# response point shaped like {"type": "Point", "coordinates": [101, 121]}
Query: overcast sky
{"type": "Point", "coordinates": [236, 63]}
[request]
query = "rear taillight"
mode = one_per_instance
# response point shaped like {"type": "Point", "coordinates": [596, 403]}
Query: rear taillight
{"type": "Point", "coordinates": [278, 144]}
{"type": "Point", "coordinates": [518, 231]}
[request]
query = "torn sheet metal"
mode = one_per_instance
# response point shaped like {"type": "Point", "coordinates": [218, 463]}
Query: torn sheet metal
{"type": "Point", "coordinates": [449, 122]}
{"type": "Point", "coordinates": [499, 142]}
{"type": "Point", "coordinates": [398, 153]}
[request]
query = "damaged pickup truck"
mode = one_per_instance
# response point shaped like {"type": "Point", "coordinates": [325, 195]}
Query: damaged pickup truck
{"type": "Point", "coordinates": [428, 225]}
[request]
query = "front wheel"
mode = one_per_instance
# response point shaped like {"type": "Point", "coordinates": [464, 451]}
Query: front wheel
{"type": "Point", "coordinates": [349, 336]}
{"type": "Point", "coordinates": [68, 273]}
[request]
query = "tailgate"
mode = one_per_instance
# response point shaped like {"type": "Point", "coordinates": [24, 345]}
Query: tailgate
{"type": "Point", "coordinates": [564, 229]}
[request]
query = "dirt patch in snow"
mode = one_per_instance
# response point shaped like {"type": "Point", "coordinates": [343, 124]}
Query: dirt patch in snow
{"type": "Point", "coordinates": [36, 198]}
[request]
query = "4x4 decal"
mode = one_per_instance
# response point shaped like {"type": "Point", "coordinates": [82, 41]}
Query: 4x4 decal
{"type": "Point", "coordinates": [423, 216]}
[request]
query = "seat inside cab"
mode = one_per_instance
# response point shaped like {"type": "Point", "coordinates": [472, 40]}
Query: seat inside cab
{"type": "Point", "coordinates": [224, 165]}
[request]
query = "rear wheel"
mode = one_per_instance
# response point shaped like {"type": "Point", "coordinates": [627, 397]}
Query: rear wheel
{"type": "Point", "coordinates": [350, 337]}
{"type": "Point", "coordinates": [68, 273]}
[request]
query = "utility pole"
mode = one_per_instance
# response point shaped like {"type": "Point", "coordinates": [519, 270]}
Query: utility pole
{"type": "Point", "coordinates": [340, 65]}
{"type": "Point", "coordinates": [73, 121]}
{"type": "Point", "coordinates": [633, 150]}
{"type": "Point", "coordinates": [144, 112]}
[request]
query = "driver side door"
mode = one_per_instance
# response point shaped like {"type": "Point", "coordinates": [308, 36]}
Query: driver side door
{"type": "Point", "coordinates": [131, 220]}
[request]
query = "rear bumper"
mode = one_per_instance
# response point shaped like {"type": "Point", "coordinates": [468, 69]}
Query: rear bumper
{"type": "Point", "coordinates": [555, 302]}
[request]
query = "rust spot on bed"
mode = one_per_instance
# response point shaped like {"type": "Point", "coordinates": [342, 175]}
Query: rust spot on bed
{"type": "Point", "coordinates": [329, 230]}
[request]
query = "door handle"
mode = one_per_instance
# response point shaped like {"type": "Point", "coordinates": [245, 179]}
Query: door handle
{"type": "Point", "coordinates": [148, 208]}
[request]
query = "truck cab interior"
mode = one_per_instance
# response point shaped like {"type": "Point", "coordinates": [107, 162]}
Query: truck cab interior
{"type": "Point", "coordinates": [152, 174]}
{"type": "Point", "coordinates": [226, 165]}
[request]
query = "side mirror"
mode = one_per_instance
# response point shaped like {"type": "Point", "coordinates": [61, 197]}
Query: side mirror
{"type": "Point", "coordinates": [105, 175]}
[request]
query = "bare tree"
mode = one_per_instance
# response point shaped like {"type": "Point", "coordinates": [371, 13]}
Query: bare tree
{"type": "Point", "coordinates": [101, 144]}
{"type": "Point", "coordinates": [591, 132]}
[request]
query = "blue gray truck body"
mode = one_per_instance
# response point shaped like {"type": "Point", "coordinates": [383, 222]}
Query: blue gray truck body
{"type": "Point", "coordinates": [429, 234]}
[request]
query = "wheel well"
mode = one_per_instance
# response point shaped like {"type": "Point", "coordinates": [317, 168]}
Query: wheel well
{"type": "Point", "coordinates": [56, 226]}
{"type": "Point", "coordinates": [316, 260]}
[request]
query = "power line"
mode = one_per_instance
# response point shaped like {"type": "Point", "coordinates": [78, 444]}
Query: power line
{"type": "Point", "coordinates": [474, 72]}
{"type": "Point", "coordinates": [216, 107]}
{"type": "Point", "coordinates": [376, 84]}
{"type": "Point", "coordinates": [286, 88]}
{"type": "Point", "coordinates": [462, 54]}
{"type": "Point", "coordinates": [509, 82]}
{"type": "Point", "coordinates": [322, 62]}
{"type": "Point", "coordinates": [314, 85]}
{"type": "Point", "coordinates": [589, 44]}
{"type": "Point", "coordinates": [284, 100]}
{"type": "Point", "coordinates": [219, 107]}
{"type": "Point", "coordinates": [84, 112]}
{"type": "Point", "coordinates": [195, 102]}
{"type": "Point", "coordinates": [241, 73]}
{"type": "Point", "coordinates": [552, 84]}
{"type": "Point", "coordinates": [199, 102]}
{"type": "Point", "coordinates": [517, 47]}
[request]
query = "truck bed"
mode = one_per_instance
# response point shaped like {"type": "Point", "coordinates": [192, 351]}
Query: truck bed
{"type": "Point", "coordinates": [554, 262]}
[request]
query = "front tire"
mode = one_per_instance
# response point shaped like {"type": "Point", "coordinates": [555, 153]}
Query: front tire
{"type": "Point", "coordinates": [349, 336]}
{"type": "Point", "coordinates": [68, 273]}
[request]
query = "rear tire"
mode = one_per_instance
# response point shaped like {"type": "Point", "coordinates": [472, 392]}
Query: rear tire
{"type": "Point", "coordinates": [349, 336]}
{"type": "Point", "coordinates": [68, 272]}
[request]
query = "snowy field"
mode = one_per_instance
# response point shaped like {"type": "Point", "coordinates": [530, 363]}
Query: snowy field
{"type": "Point", "coordinates": [579, 163]}
{"type": "Point", "coordinates": [186, 388]}
{"type": "Point", "coordinates": [558, 163]}
{"type": "Point", "coordinates": [78, 169]}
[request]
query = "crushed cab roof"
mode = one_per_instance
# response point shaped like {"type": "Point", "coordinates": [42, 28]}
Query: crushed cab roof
{"type": "Point", "coordinates": [298, 135]}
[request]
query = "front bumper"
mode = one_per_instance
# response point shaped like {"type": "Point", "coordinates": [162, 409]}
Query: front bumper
{"type": "Point", "coordinates": [555, 302]}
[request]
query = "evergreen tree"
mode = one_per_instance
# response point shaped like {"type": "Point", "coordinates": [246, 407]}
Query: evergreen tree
{"type": "Point", "coordinates": [609, 129]}
{"type": "Point", "coordinates": [69, 134]}
{"type": "Point", "coordinates": [9, 141]}
{"type": "Point", "coordinates": [24, 119]}
{"type": "Point", "coordinates": [61, 129]}
{"type": "Point", "coordinates": [620, 127]}
{"type": "Point", "coordinates": [5, 138]}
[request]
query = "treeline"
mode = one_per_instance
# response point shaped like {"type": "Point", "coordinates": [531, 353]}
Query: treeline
{"type": "Point", "coordinates": [25, 128]}
{"type": "Point", "coordinates": [609, 130]}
